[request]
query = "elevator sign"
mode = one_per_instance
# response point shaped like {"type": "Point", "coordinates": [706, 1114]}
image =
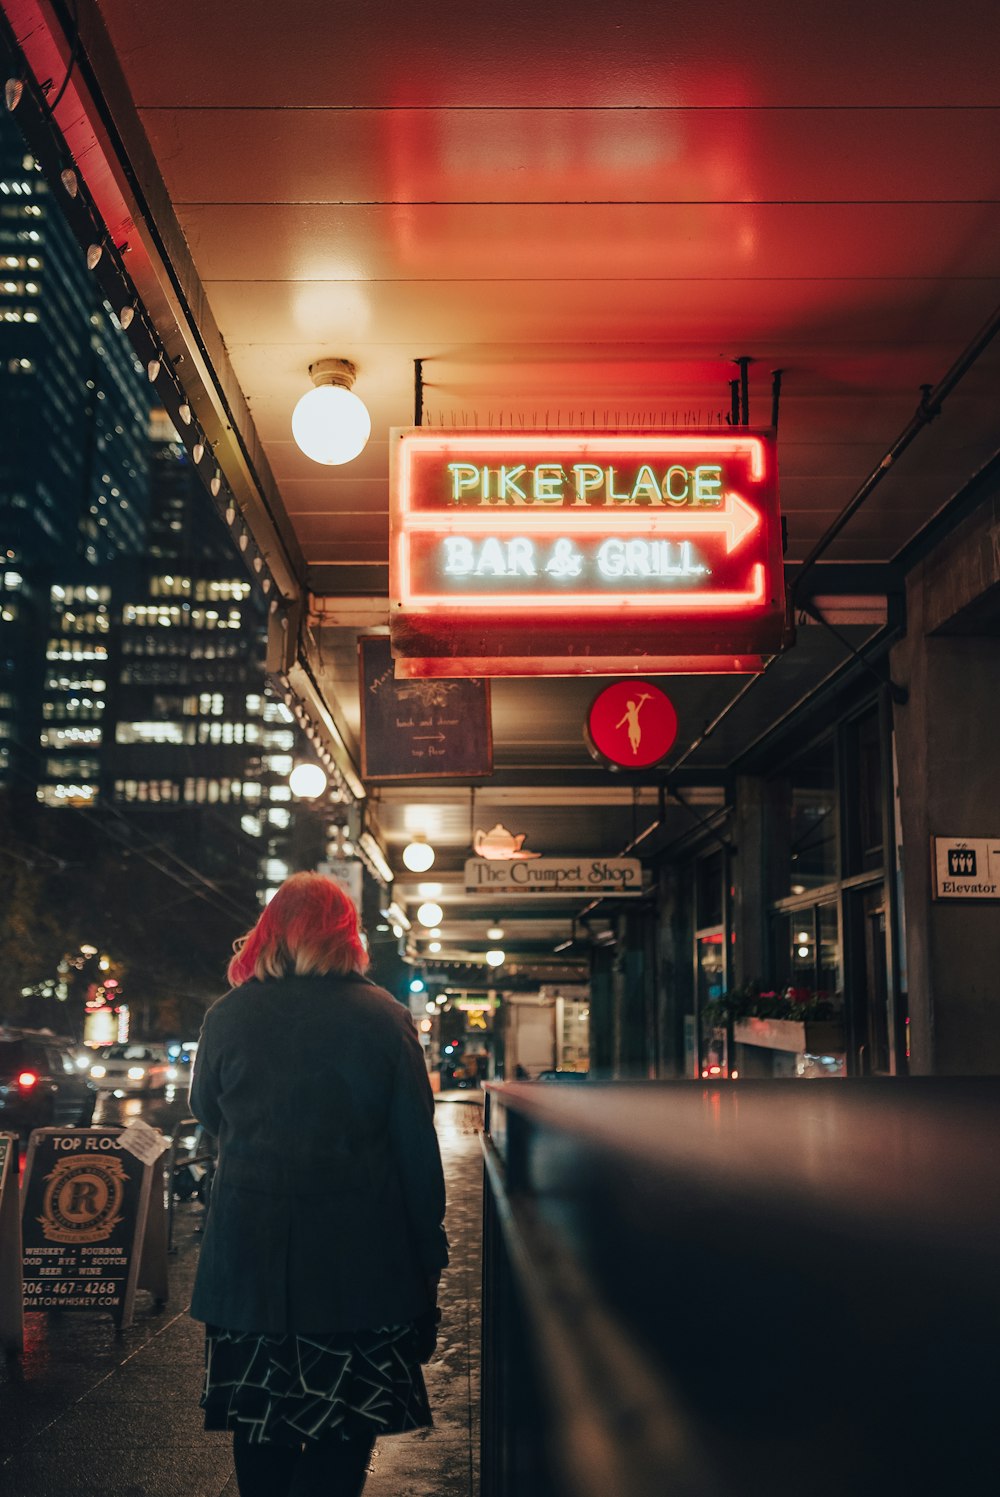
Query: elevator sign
{"type": "Point", "coordinates": [535, 554]}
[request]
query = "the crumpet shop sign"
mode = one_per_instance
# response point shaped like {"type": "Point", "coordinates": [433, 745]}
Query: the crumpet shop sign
{"type": "Point", "coordinates": [564, 554]}
{"type": "Point", "coordinates": [554, 876]}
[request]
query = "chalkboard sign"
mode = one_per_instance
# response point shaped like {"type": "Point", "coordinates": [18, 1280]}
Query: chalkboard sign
{"type": "Point", "coordinates": [92, 1223]}
{"type": "Point", "coordinates": [11, 1318]}
{"type": "Point", "coordinates": [422, 729]}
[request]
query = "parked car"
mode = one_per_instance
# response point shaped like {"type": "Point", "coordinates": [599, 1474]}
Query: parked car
{"type": "Point", "coordinates": [41, 1085]}
{"type": "Point", "coordinates": [134, 1067]}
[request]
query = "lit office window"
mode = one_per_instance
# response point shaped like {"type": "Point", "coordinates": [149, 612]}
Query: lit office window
{"type": "Point", "coordinates": [67, 795]}
{"type": "Point", "coordinates": [154, 732]}
{"type": "Point", "coordinates": [278, 763]}
{"type": "Point", "coordinates": [279, 738]}
{"type": "Point", "coordinates": [58, 738]}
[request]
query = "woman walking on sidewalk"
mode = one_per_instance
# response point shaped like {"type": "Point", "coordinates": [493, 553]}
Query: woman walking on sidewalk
{"type": "Point", "coordinates": [324, 1239]}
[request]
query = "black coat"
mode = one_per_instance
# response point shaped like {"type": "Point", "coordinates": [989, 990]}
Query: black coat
{"type": "Point", "coordinates": [327, 1207]}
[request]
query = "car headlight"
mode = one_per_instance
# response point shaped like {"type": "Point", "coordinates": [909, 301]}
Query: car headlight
{"type": "Point", "coordinates": [98, 1071]}
{"type": "Point", "coordinates": [136, 1073]}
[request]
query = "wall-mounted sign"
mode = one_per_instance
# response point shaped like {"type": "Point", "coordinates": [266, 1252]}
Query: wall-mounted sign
{"type": "Point", "coordinates": [417, 730]}
{"type": "Point", "coordinates": [500, 844]}
{"type": "Point", "coordinates": [966, 867]}
{"type": "Point", "coordinates": [631, 724]}
{"type": "Point", "coordinates": [548, 554]}
{"type": "Point", "coordinates": [555, 876]}
{"type": "Point", "coordinates": [92, 1223]}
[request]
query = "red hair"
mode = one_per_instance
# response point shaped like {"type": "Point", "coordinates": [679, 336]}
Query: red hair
{"type": "Point", "coordinates": [309, 928]}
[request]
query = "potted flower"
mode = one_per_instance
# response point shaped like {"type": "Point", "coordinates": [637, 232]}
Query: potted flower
{"type": "Point", "coordinates": [792, 1019]}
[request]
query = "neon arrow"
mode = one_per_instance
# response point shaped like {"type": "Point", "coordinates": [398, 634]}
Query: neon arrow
{"type": "Point", "coordinates": [735, 520]}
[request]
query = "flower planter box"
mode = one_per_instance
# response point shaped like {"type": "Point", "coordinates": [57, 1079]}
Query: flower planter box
{"type": "Point", "coordinates": [815, 1036]}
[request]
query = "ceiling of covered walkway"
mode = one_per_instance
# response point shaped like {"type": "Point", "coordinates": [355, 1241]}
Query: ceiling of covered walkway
{"type": "Point", "coordinates": [575, 217]}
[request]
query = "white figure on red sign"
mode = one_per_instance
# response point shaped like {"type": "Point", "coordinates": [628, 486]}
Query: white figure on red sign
{"type": "Point", "coordinates": [632, 718]}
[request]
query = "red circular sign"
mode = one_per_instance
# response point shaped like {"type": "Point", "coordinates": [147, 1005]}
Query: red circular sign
{"type": "Point", "coordinates": [632, 723]}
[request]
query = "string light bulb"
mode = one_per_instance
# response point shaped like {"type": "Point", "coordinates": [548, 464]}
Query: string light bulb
{"type": "Point", "coordinates": [216, 485]}
{"type": "Point", "coordinates": [430, 914]}
{"type": "Point", "coordinates": [153, 370]}
{"type": "Point", "coordinates": [198, 451]}
{"type": "Point", "coordinates": [330, 423]}
{"type": "Point", "coordinates": [68, 178]}
{"type": "Point", "coordinates": [184, 411]}
{"type": "Point", "coordinates": [125, 317]}
{"type": "Point", "coordinates": [12, 91]}
{"type": "Point", "coordinates": [94, 253]}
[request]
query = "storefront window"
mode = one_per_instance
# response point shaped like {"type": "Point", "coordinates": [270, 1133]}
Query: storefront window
{"type": "Point", "coordinates": [807, 949]}
{"type": "Point", "coordinates": [864, 826]}
{"type": "Point", "coordinates": [806, 821]}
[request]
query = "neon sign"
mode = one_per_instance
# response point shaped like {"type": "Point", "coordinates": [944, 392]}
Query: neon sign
{"type": "Point", "coordinates": [576, 553]}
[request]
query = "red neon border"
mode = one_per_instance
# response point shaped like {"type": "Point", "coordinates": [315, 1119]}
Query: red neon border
{"type": "Point", "coordinates": [552, 520]}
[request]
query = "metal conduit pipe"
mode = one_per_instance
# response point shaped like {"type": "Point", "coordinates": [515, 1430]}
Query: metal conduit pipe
{"type": "Point", "coordinates": [929, 407]}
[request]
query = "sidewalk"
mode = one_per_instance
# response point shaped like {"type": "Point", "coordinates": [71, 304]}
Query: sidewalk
{"type": "Point", "coordinates": [89, 1414]}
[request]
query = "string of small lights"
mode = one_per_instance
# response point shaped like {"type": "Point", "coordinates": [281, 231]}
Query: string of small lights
{"type": "Point", "coordinates": [106, 260]}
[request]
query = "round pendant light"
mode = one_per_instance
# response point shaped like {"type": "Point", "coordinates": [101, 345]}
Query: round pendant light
{"type": "Point", "coordinates": [418, 855]}
{"type": "Point", "coordinates": [330, 424]}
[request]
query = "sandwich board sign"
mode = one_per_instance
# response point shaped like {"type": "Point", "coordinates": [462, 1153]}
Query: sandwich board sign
{"type": "Point", "coordinates": [92, 1222]}
{"type": "Point", "coordinates": [11, 1317]}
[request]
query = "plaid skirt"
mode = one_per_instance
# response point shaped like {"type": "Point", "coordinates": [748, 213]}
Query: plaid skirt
{"type": "Point", "coordinates": [294, 1388]}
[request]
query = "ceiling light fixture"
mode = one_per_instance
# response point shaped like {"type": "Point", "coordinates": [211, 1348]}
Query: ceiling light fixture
{"type": "Point", "coordinates": [495, 933]}
{"type": "Point", "coordinates": [430, 914]}
{"type": "Point", "coordinates": [496, 957]}
{"type": "Point", "coordinates": [330, 423]}
{"type": "Point", "coordinates": [418, 855]}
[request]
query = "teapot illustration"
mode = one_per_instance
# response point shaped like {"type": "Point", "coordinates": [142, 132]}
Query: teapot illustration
{"type": "Point", "coordinates": [498, 843]}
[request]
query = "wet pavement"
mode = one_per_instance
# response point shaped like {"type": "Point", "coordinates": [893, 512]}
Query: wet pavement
{"type": "Point", "coordinates": [88, 1412]}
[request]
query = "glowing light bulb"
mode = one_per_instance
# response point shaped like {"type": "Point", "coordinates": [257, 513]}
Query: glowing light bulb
{"type": "Point", "coordinates": [418, 855]}
{"type": "Point", "coordinates": [496, 957]}
{"type": "Point", "coordinates": [125, 317]}
{"type": "Point", "coordinates": [94, 253]}
{"type": "Point", "coordinates": [330, 423]}
{"type": "Point", "coordinates": [153, 370]}
{"type": "Point", "coordinates": [307, 781]}
{"type": "Point", "coordinates": [495, 933]}
{"type": "Point", "coordinates": [184, 411]}
{"type": "Point", "coordinates": [69, 181]}
{"type": "Point", "coordinates": [430, 914]}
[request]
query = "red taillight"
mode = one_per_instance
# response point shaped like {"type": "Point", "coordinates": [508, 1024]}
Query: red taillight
{"type": "Point", "coordinates": [26, 1080]}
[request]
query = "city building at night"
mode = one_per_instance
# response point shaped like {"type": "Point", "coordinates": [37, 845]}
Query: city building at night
{"type": "Point", "coordinates": [595, 418]}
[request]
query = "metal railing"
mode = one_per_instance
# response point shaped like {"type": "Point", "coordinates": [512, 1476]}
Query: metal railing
{"type": "Point", "coordinates": [771, 1287]}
